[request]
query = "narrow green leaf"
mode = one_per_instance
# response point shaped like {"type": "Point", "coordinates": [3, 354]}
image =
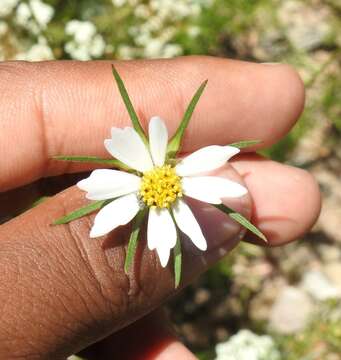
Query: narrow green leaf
{"type": "Point", "coordinates": [177, 261]}
{"type": "Point", "coordinates": [175, 142]}
{"type": "Point", "coordinates": [92, 159]}
{"type": "Point", "coordinates": [129, 106]}
{"type": "Point", "coordinates": [81, 212]}
{"type": "Point", "coordinates": [133, 240]}
{"type": "Point", "coordinates": [245, 143]}
{"type": "Point", "coordinates": [241, 220]}
{"type": "Point", "coordinates": [39, 201]}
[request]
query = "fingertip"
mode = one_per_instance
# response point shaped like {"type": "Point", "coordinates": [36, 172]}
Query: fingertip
{"type": "Point", "coordinates": [287, 200]}
{"type": "Point", "coordinates": [293, 91]}
{"type": "Point", "coordinates": [310, 197]}
{"type": "Point", "coordinates": [287, 94]}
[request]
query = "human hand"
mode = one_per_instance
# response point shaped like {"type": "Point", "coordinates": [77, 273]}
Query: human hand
{"type": "Point", "coordinates": [61, 291]}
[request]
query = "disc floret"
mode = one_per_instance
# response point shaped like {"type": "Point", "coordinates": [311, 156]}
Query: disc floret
{"type": "Point", "coordinates": [160, 187]}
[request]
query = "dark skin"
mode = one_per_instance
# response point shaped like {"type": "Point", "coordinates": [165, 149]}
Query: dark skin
{"type": "Point", "coordinates": [60, 291]}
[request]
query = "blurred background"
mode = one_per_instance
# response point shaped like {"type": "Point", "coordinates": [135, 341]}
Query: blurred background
{"type": "Point", "coordinates": [258, 303]}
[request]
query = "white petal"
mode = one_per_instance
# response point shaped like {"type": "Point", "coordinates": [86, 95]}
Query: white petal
{"type": "Point", "coordinates": [105, 184]}
{"type": "Point", "coordinates": [158, 139]}
{"type": "Point", "coordinates": [188, 224]}
{"type": "Point", "coordinates": [164, 253]}
{"type": "Point", "coordinates": [211, 189]}
{"type": "Point", "coordinates": [127, 146]}
{"type": "Point", "coordinates": [205, 159]}
{"type": "Point", "coordinates": [161, 233]}
{"type": "Point", "coordinates": [118, 212]}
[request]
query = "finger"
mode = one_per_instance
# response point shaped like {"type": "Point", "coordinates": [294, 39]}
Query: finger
{"type": "Point", "coordinates": [287, 200]}
{"type": "Point", "coordinates": [61, 291]}
{"type": "Point", "coordinates": [158, 342]}
{"type": "Point", "coordinates": [69, 107]}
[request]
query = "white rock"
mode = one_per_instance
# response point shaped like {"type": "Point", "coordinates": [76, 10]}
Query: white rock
{"type": "Point", "coordinates": [319, 286]}
{"type": "Point", "coordinates": [291, 311]}
{"type": "Point", "coordinates": [306, 28]}
{"type": "Point", "coordinates": [333, 272]}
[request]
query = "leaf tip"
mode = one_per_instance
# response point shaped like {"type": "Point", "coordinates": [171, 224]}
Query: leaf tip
{"type": "Point", "coordinates": [264, 238]}
{"type": "Point", "coordinates": [126, 267]}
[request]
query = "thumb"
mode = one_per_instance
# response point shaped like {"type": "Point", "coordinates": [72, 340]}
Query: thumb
{"type": "Point", "coordinates": [62, 291]}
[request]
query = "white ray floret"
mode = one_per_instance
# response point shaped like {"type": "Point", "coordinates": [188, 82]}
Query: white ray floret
{"type": "Point", "coordinates": [118, 212]}
{"type": "Point", "coordinates": [163, 241]}
{"type": "Point", "coordinates": [105, 184]}
{"type": "Point", "coordinates": [205, 159]}
{"type": "Point", "coordinates": [158, 140]}
{"type": "Point", "coordinates": [211, 189]}
{"type": "Point", "coordinates": [188, 224]}
{"type": "Point", "coordinates": [127, 146]}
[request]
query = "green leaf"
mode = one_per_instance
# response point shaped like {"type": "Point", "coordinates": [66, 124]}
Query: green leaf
{"type": "Point", "coordinates": [133, 240]}
{"type": "Point", "coordinates": [81, 212]}
{"type": "Point", "coordinates": [129, 106]}
{"type": "Point", "coordinates": [175, 142]}
{"type": "Point", "coordinates": [39, 201]}
{"type": "Point", "coordinates": [245, 143]}
{"type": "Point", "coordinates": [94, 160]}
{"type": "Point", "coordinates": [241, 220]}
{"type": "Point", "coordinates": [177, 261]}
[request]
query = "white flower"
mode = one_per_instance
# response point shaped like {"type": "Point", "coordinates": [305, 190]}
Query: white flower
{"type": "Point", "coordinates": [38, 52]}
{"type": "Point", "coordinates": [119, 3]}
{"type": "Point", "coordinates": [82, 31]}
{"type": "Point", "coordinates": [171, 50]}
{"type": "Point", "coordinates": [34, 16]}
{"type": "Point", "coordinates": [86, 43]}
{"type": "Point", "coordinates": [23, 14]}
{"type": "Point", "coordinates": [42, 12]}
{"type": "Point", "coordinates": [159, 186]}
{"type": "Point", "coordinates": [246, 345]}
{"type": "Point", "coordinates": [3, 28]}
{"type": "Point", "coordinates": [7, 6]}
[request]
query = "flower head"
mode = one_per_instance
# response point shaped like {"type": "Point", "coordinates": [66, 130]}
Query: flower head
{"type": "Point", "coordinates": [158, 184]}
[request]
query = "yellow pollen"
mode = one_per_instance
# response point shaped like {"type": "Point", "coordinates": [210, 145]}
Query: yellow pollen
{"type": "Point", "coordinates": [160, 187]}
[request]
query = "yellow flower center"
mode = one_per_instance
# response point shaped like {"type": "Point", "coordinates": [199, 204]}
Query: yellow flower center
{"type": "Point", "coordinates": [160, 187]}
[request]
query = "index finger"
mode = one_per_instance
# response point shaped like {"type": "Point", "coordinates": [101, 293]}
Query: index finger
{"type": "Point", "coordinates": [54, 108]}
